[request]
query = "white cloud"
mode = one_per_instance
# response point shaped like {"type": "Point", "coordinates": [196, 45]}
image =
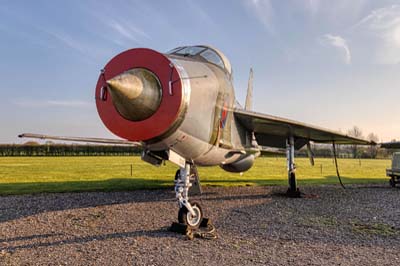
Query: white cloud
{"type": "Point", "coordinates": [382, 18]}
{"type": "Point", "coordinates": [130, 32]}
{"type": "Point", "coordinates": [68, 41]}
{"type": "Point", "coordinates": [263, 11]}
{"type": "Point", "coordinates": [90, 51]}
{"type": "Point", "coordinates": [382, 27]}
{"type": "Point", "coordinates": [51, 103]}
{"type": "Point", "coordinates": [340, 43]}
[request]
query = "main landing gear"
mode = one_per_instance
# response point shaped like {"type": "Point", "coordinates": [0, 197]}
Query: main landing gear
{"type": "Point", "coordinates": [293, 191]}
{"type": "Point", "coordinates": [190, 213]}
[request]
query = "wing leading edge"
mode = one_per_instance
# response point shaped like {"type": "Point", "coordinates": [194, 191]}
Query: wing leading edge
{"type": "Point", "coordinates": [81, 139]}
{"type": "Point", "coordinates": [273, 131]}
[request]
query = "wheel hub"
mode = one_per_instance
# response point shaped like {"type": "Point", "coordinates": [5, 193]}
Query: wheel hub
{"type": "Point", "coordinates": [194, 220]}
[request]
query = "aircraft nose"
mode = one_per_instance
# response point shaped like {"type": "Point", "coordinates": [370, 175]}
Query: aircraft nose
{"type": "Point", "coordinates": [136, 93]}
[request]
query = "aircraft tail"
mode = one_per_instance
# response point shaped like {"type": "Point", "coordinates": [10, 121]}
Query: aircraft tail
{"type": "Point", "coordinates": [249, 98]}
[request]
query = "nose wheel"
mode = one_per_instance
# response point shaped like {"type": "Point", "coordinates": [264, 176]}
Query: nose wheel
{"type": "Point", "coordinates": [191, 220]}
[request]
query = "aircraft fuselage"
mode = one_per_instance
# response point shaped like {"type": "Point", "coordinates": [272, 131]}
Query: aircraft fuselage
{"type": "Point", "coordinates": [201, 129]}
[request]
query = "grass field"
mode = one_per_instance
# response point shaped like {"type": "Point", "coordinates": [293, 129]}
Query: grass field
{"type": "Point", "coordinates": [19, 175]}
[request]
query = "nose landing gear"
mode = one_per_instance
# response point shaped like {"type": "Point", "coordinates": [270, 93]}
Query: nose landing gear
{"type": "Point", "coordinates": [192, 222]}
{"type": "Point", "coordinates": [190, 213]}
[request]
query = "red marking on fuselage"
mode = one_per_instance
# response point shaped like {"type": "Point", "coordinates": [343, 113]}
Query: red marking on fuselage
{"type": "Point", "coordinates": [224, 115]}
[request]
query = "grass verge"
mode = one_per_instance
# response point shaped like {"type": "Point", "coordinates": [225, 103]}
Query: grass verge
{"type": "Point", "coordinates": [20, 175]}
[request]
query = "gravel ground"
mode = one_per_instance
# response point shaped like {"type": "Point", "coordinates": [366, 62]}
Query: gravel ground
{"type": "Point", "coordinates": [255, 226]}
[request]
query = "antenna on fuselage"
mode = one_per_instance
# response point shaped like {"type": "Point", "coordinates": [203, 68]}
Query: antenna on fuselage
{"type": "Point", "coordinates": [249, 98]}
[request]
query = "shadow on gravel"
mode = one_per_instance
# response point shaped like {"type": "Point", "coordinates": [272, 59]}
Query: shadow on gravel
{"type": "Point", "coordinates": [129, 184]}
{"type": "Point", "coordinates": [21, 238]}
{"type": "Point", "coordinates": [18, 206]}
{"type": "Point", "coordinates": [239, 197]}
{"type": "Point", "coordinates": [115, 191]}
{"type": "Point", "coordinates": [157, 233]}
{"type": "Point", "coordinates": [112, 184]}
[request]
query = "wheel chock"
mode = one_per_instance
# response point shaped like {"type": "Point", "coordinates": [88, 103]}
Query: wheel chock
{"type": "Point", "coordinates": [183, 229]}
{"type": "Point", "coordinates": [205, 222]}
{"type": "Point", "coordinates": [180, 228]}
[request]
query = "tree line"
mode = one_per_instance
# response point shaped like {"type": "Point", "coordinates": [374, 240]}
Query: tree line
{"type": "Point", "coordinates": [52, 149]}
{"type": "Point", "coordinates": [347, 151]}
{"type": "Point", "coordinates": [352, 151]}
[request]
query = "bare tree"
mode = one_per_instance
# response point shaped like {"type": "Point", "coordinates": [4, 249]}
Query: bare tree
{"type": "Point", "coordinates": [357, 133]}
{"type": "Point", "coordinates": [373, 149]}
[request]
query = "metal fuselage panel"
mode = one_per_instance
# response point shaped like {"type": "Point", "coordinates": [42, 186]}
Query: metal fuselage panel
{"type": "Point", "coordinates": [208, 132]}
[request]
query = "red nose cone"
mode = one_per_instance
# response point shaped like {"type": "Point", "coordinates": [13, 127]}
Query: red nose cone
{"type": "Point", "coordinates": [171, 96]}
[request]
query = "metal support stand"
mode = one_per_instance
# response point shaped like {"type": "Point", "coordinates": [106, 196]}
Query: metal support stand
{"type": "Point", "coordinates": [336, 164]}
{"type": "Point", "coordinates": [292, 191]}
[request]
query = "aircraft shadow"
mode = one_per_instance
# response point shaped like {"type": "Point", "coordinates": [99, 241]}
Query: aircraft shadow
{"type": "Point", "coordinates": [326, 180]}
{"type": "Point", "coordinates": [87, 194]}
{"type": "Point", "coordinates": [85, 239]}
{"type": "Point", "coordinates": [21, 238]}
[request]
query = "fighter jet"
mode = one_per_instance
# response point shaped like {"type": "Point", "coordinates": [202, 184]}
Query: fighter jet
{"type": "Point", "coordinates": [180, 106]}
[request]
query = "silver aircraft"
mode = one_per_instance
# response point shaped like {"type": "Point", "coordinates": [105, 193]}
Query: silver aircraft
{"type": "Point", "coordinates": [180, 106]}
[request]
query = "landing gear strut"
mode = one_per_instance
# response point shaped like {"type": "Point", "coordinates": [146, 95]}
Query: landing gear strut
{"type": "Point", "coordinates": [190, 213]}
{"type": "Point", "coordinates": [292, 191]}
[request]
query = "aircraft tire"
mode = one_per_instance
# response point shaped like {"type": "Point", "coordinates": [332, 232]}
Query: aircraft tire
{"type": "Point", "coordinates": [292, 182]}
{"type": "Point", "coordinates": [185, 217]}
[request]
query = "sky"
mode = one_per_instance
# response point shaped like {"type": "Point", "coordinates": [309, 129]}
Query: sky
{"type": "Point", "coordinates": [334, 64]}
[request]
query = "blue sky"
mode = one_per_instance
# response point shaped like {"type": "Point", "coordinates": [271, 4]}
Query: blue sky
{"type": "Point", "coordinates": [330, 63]}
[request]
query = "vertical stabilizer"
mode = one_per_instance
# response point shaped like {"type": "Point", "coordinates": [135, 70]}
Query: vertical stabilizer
{"type": "Point", "coordinates": [249, 97]}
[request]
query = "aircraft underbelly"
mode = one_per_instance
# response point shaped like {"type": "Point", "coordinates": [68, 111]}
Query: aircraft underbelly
{"type": "Point", "coordinates": [200, 151]}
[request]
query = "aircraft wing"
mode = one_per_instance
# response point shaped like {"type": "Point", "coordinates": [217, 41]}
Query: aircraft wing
{"type": "Point", "coordinates": [391, 145]}
{"type": "Point", "coordinates": [273, 131]}
{"type": "Point", "coordinates": [80, 139]}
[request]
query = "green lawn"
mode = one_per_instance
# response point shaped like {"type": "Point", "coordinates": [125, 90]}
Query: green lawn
{"type": "Point", "coordinates": [20, 175]}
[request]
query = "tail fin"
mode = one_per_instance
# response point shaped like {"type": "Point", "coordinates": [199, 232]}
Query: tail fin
{"type": "Point", "coordinates": [249, 97]}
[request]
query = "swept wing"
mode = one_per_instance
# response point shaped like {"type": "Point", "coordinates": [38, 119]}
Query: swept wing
{"type": "Point", "coordinates": [273, 131]}
{"type": "Point", "coordinates": [82, 139]}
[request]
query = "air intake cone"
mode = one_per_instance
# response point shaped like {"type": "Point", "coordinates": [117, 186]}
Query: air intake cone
{"type": "Point", "coordinates": [136, 93]}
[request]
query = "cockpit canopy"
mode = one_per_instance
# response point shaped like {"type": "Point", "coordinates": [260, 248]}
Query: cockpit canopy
{"type": "Point", "coordinates": [207, 53]}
